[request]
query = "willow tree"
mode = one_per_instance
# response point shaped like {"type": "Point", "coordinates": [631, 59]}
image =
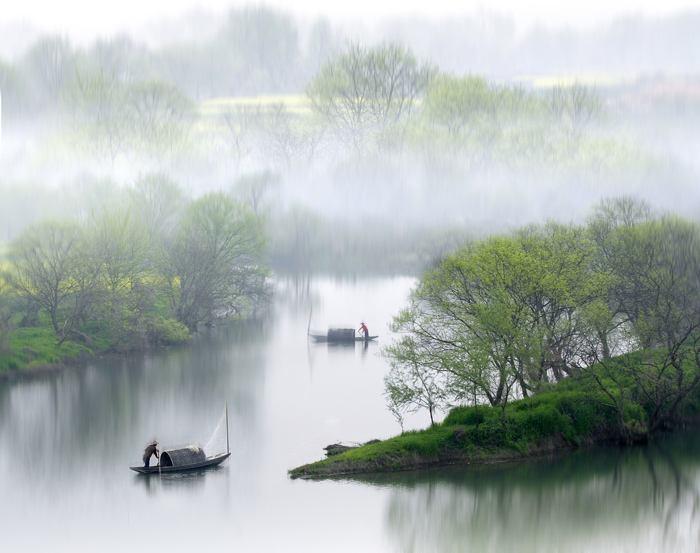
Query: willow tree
{"type": "Point", "coordinates": [213, 262]}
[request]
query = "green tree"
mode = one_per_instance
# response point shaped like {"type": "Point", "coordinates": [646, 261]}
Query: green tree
{"type": "Point", "coordinates": [214, 261]}
{"type": "Point", "coordinates": [6, 313]}
{"type": "Point", "coordinates": [657, 265]}
{"type": "Point", "coordinates": [51, 266]}
{"type": "Point", "coordinates": [505, 314]}
{"type": "Point", "coordinates": [411, 385]}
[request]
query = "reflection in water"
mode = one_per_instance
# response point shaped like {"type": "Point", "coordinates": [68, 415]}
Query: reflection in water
{"type": "Point", "coordinates": [67, 439]}
{"type": "Point", "coordinates": [101, 416]}
{"type": "Point", "coordinates": [189, 481]}
{"type": "Point", "coordinates": [643, 499]}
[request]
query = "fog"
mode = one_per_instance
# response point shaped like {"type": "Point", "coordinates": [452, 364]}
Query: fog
{"type": "Point", "coordinates": [199, 203]}
{"type": "Point", "coordinates": [505, 118]}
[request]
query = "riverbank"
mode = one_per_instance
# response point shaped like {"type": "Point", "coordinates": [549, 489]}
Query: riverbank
{"type": "Point", "coordinates": [571, 414]}
{"type": "Point", "coordinates": [37, 349]}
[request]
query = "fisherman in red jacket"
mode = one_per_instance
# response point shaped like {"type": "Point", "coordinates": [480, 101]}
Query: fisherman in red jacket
{"type": "Point", "coordinates": [363, 328]}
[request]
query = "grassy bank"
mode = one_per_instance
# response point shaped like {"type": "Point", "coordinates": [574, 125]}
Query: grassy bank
{"type": "Point", "coordinates": [568, 415]}
{"type": "Point", "coordinates": [37, 346]}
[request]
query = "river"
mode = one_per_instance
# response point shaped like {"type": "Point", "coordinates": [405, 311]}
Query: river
{"type": "Point", "coordinates": [68, 437]}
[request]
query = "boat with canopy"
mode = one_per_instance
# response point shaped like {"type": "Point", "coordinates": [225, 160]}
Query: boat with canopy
{"type": "Point", "coordinates": [340, 336]}
{"type": "Point", "coordinates": [188, 458]}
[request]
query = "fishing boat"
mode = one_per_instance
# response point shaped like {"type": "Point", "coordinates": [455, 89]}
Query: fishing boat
{"type": "Point", "coordinates": [183, 459]}
{"type": "Point", "coordinates": [341, 336]}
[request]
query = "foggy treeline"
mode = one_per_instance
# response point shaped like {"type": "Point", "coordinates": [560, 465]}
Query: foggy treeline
{"type": "Point", "coordinates": [361, 146]}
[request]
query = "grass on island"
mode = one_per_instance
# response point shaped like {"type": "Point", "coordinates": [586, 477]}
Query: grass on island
{"type": "Point", "coordinates": [567, 415]}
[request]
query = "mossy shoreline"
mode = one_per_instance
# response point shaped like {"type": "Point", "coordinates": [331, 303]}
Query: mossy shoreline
{"type": "Point", "coordinates": [35, 350]}
{"type": "Point", "coordinates": [321, 470]}
{"type": "Point", "coordinates": [570, 415]}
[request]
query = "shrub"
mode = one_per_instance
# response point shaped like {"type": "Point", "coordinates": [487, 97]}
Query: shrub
{"type": "Point", "coordinates": [467, 415]}
{"type": "Point", "coordinates": [165, 331]}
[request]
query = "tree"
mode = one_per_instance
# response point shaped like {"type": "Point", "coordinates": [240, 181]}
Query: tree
{"type": "Point", "coordinates": [253, 190]}
{"type": "Point", "coordinates": [52, 268]}
{"type": "Point", "coordinates": [410, 385]}
{"type": "Point", "coordinates": [575, 106]}
{"type": "Point", "coordinates": [657, 264]}
{"type": "Point", "coordinates": [157, 202]}
{"type": "Point", "coordinates": [96, 102]}
{"type": "Point", "coordinates": [288, 137]}
{"type": "Point", "coordinates": [12, 92]}
{"type": "Point", "coordinates": [49, 63]}
{"type": "Point", "coordinates": [456, 103]}
{"type": "Point", "coordinates": [6, 313]}
{"type": "Point", "coordinates": [118, 244]}
{"type": "Point", "coordinates": [258, 49]}
{"type": "Point", "coordinates": [214, 261]}
{"type": "Point", "coordinates": [504, 314]}
{"type": "Point", "coordinates": [368, 89]}
{"type": "Point", "coordinates": [157, 116]}
{"type": "Point", "coordinates": [608, 219]}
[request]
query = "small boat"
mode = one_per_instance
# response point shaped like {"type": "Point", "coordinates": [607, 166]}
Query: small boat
{"type": "Point", "coordinates": [341, 335]}
{"type": "Point", "coordinates": [185, 459]}
{"type": "Point", "coordinates": [333, 340]}
{"type": "Point", "coordinates": [182, 460]}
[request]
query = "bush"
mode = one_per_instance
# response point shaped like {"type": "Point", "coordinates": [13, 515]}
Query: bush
{"type": "Point", "coordinates": [467, 415]}
{"type": "Point", "coordinates": [164, 331]}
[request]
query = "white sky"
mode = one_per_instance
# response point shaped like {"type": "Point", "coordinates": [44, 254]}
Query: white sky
{"type": "Point", "coordinates": [85, 19]}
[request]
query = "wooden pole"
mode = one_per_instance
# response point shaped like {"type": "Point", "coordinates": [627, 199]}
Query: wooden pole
{"type": "Point", "coordinates": [228, 448]}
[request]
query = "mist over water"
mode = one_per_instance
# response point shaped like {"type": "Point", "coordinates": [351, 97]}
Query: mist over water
{"type": "Point", "coordinates": [230, 101]}
{"type": "Point", "coordinates": [356, 190]}
{"type": "Point", "coordinates": [68, 437]}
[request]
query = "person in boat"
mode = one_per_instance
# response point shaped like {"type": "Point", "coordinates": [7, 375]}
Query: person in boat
{"type": "Point", "coordinates": [151, 449]}
{"type": "Point", "coordinates": [363, 328]}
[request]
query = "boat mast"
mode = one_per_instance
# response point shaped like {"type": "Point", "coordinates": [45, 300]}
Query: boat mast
{"type": "Point", "coordinates": [228, 449]}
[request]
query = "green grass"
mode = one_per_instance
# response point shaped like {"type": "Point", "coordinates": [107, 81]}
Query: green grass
{"type": "Point", "coordinates": [31, 347]}
{"type": "Point", "coordinates": [570, 414]}
{"type": "Point", "coordinates": [37, 346]}
{"type": "Point", "coordinates": [551, 420]}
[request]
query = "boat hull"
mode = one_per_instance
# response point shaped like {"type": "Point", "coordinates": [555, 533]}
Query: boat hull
{"type": "Point", "coordinates": [208, 462]}
{"type": "Point", "coordinates": [324, 338]}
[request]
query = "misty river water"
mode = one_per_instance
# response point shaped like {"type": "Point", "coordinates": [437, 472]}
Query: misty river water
{"type": "Point", "coordinates": [68, 437]}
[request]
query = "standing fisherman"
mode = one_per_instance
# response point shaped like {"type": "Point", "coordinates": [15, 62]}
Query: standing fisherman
{"type": "Point", "coordinates": [363, 328]}
{"type": "Point", "coordinates": [151, 449]}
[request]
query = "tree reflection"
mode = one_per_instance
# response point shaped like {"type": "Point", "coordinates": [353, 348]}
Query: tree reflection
{"type": "Point", "coordinates": [643, 499]}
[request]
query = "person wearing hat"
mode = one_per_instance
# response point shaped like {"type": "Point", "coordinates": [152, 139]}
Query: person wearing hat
{"type": "Point", "coordinates": [363, 328]}
{"type": "Point", "coordinates": [151, 449]}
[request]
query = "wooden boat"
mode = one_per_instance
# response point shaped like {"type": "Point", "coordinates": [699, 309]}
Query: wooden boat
{"type": "Point", "coordinates": [333, 340]}
{"type": "Point", "coordinates": [185, 459]}
{"type": "Point", "coordinates": [212, 461]}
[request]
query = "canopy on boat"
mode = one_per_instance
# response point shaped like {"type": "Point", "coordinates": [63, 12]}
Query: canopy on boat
{"type": "Point", "coordinates": [183, 456]}
{"type": "Point", "coordinates": [341, 334]}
